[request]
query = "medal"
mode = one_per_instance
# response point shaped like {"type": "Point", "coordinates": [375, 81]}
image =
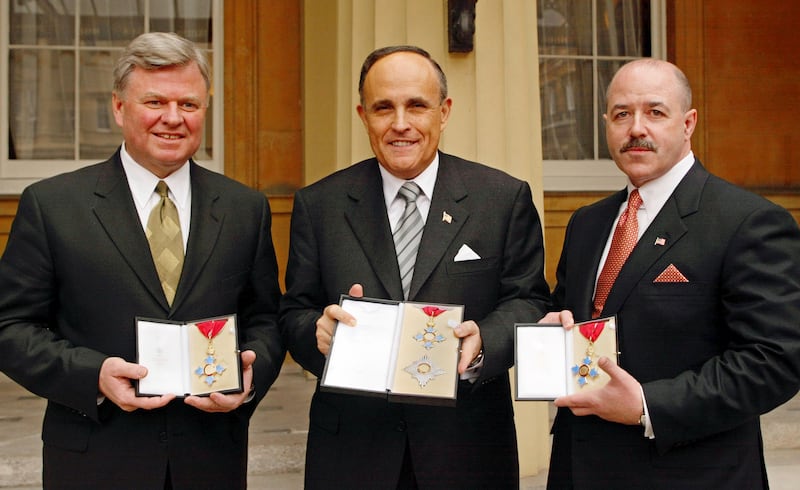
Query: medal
{"type": "Point", "coordinates": [209, 369]}
{"type": "Point", "coordinates": [423, 370]}
{"type": "Point", "coordinates": [585, 370]}
{"type": "Point", "coordinates": [430, 336]}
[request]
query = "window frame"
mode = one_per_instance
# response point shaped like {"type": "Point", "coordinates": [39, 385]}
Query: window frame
{"type": "Point", "coordinates": [600, 174]}
{"type": "Point", "coordinates": [17, 174]}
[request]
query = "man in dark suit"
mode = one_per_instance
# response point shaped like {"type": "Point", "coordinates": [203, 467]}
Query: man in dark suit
{"type": "Point", "coordinates": [78, 270]}
{"type": "Point", "coordinates": [707, 306]}
{"type": "Point", "coordinates": [341, 235]}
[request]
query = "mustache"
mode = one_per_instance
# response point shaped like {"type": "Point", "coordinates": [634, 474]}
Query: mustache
{"type": "Point", "coordinates": [638, 143]}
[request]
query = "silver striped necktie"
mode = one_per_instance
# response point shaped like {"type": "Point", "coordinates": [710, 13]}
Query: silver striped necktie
{"type": "Point", "coordinates": [408, 234]}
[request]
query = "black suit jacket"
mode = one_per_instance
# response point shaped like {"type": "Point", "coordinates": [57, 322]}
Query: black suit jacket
{"type": "Point", "coordinates": [340, 235]}
{"type": "Point", "coordinates": [712, 353]}
{"type": "Point", "coordinates": [77, 271]}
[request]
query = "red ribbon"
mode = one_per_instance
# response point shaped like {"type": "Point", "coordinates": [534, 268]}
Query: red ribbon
{"type": "Point", "coordinates": [211, 328]}
{"type": "Point", "coordinates": [433, 310]}
{"type": "Point", "coordinates": [592, 330]}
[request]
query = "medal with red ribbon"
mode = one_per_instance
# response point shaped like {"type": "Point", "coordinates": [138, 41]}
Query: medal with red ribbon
{"type": "Point", "coordinates": [585, 370]}
{"type": "Point", "coordinates": [429, 336]}
{"type": "Point", "coordinates": [210, 369]}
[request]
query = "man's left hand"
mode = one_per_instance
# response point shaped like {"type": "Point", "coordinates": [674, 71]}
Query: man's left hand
{"type": "Point", "coordinates": [471, 343]}
{"type": "Point", "coordinates": [217, 402]}
{"type": "Point", "coordinates": [618, 401]}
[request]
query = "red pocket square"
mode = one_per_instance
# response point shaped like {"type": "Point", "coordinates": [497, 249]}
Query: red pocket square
{"type": "Point", "coordinates": [671, 274]}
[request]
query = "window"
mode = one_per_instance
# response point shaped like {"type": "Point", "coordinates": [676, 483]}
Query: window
{"type": "Point", "coordinates": [581, 45]}
{"type": "Point", "coordinates": [55, 74]}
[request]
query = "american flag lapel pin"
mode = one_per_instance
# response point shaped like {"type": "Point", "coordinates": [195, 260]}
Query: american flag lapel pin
{"type": "Point", "coordinates": [446, 217]}
{"type": "Point", "coordinates": [660, 241]}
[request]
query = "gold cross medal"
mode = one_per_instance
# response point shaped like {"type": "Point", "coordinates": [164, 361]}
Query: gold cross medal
{"type": "Point", "coordinates": [210, 368]}
{"type": "Point", "coordinates": [430, 336]}
{"type": "Point", "coordinates": [585, 371]}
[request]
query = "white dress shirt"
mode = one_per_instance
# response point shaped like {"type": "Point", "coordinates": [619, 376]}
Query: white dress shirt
{"type": "Point", "coordinates": [143, 189]}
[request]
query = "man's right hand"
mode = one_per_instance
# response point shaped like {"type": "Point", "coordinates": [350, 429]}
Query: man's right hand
{"type": "Point", "coordinates": [115, 384]}
{"type": "Point", "coordinates": [330, 315]}
{"type": "Point", "coordinates": [564, 317]}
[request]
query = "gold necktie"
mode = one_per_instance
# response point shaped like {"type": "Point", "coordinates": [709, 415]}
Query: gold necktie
{"type": "Point", "coordinates": [166, 242]}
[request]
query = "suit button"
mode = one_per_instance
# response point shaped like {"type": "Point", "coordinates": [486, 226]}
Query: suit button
{"type": "Point", "coordinates": [401, 426]}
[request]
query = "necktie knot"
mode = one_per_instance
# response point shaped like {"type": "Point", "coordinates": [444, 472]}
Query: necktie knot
{"type": "Point", "coordinates": [409, 191]}
{"type": "Point", "coordinates": [162, 189]}
{"type": "Point", "coordinates": [635, 200]}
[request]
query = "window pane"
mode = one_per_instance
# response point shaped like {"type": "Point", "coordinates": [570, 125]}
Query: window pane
{"type": "Point", "coordinates": [41, 104]}
{"type": "Point", "coordinates": [47, 119]}
{"type": "Point", "coordinates": [565, 27]}
{"type": "Point", "coordinates": [111, 22]}
{"type": "Point", "coordinates": [99, 134]}
{"type": "Point", "coordinates": [41, 23]}
{"type": "Point", "coordinates": [188, 18]}
{"type": "Point", "coordinates": [567, 109]}
{"type": "Point", "coordinates": [623, 28]}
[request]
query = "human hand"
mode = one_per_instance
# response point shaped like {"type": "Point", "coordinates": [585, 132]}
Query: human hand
{"type": "Point", "coordinates": [219, 402]}
{"type": "Point", "coordinates": [332, 314]}
{"type": "Point", "coordinates": [618, 401]}
{"type": "Point", "coordinates": [471, 343]}
{"type": "Point", "coordinates": [115, 384]}
{"type": "Point", "coordinates": [564, 317]}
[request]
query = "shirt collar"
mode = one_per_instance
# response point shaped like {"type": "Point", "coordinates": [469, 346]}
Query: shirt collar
{"type": "Point", "coordinates": [143, 183]}
{"type": "Point", "coordinates": [426, 181]}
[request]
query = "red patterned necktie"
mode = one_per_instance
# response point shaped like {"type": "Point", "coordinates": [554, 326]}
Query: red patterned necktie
{"type": "Point", "coordinates": [625, 236]}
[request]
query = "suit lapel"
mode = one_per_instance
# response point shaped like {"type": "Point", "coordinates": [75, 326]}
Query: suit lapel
{"type": "Point", "coordinates": [439, 233]}
{"type": "Point", "coordinates": [117, 215]}
{"type": "Point", "coordinates": [204, 231]}
{"type": "Point", "coordinates": [365, 212]}
{"type": "Point", "coordinates": [669, 226]}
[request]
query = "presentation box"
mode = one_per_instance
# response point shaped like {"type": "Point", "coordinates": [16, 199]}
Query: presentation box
{"type": "Point", "coordinates": [405, 351]}
{"type": "Point", "coordinates": [552, 361]}
{"type": "Point", "coordinates": [188, 358]}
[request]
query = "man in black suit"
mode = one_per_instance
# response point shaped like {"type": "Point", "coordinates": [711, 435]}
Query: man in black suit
{"type": "Point", "coordinates": [78, 270]}
{"type": "Point", "coordinates": [341, 236]}
{"type": "Point", "coordinates": [707, 306]}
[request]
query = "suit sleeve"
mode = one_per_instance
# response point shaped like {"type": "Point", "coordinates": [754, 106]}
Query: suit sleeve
{"type": "Point", "coordinates": [523, 290]}
{"type": "Point", "coordinates": [32, 352]}
{"type": "Point", "coordinates": [758, 311]}
{"type": "Point", "coordinates": [259, 309]}
{"type": "Point", "coordinates": [300, 306]}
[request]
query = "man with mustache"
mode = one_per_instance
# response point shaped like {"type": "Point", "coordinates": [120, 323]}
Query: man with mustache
{"type": "Point", "coordinates": [707, 303]}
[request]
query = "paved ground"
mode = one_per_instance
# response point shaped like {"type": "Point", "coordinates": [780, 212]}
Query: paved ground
{"type": "Point", "coordinates": [278, 431]}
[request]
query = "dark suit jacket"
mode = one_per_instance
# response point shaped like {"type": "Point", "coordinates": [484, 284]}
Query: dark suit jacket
{"type": "Point", "coordinates": [77, 271]}
{"type": "Point", "coordinates": [712, 353]}
{"type": "Point", "coordinates": [340, 235]}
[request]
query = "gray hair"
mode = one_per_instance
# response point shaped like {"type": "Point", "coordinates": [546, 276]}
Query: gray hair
{"type": "Point", "coordinates": [154, 50]}
{"type": "Point", "coordinates": [376, 55]}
